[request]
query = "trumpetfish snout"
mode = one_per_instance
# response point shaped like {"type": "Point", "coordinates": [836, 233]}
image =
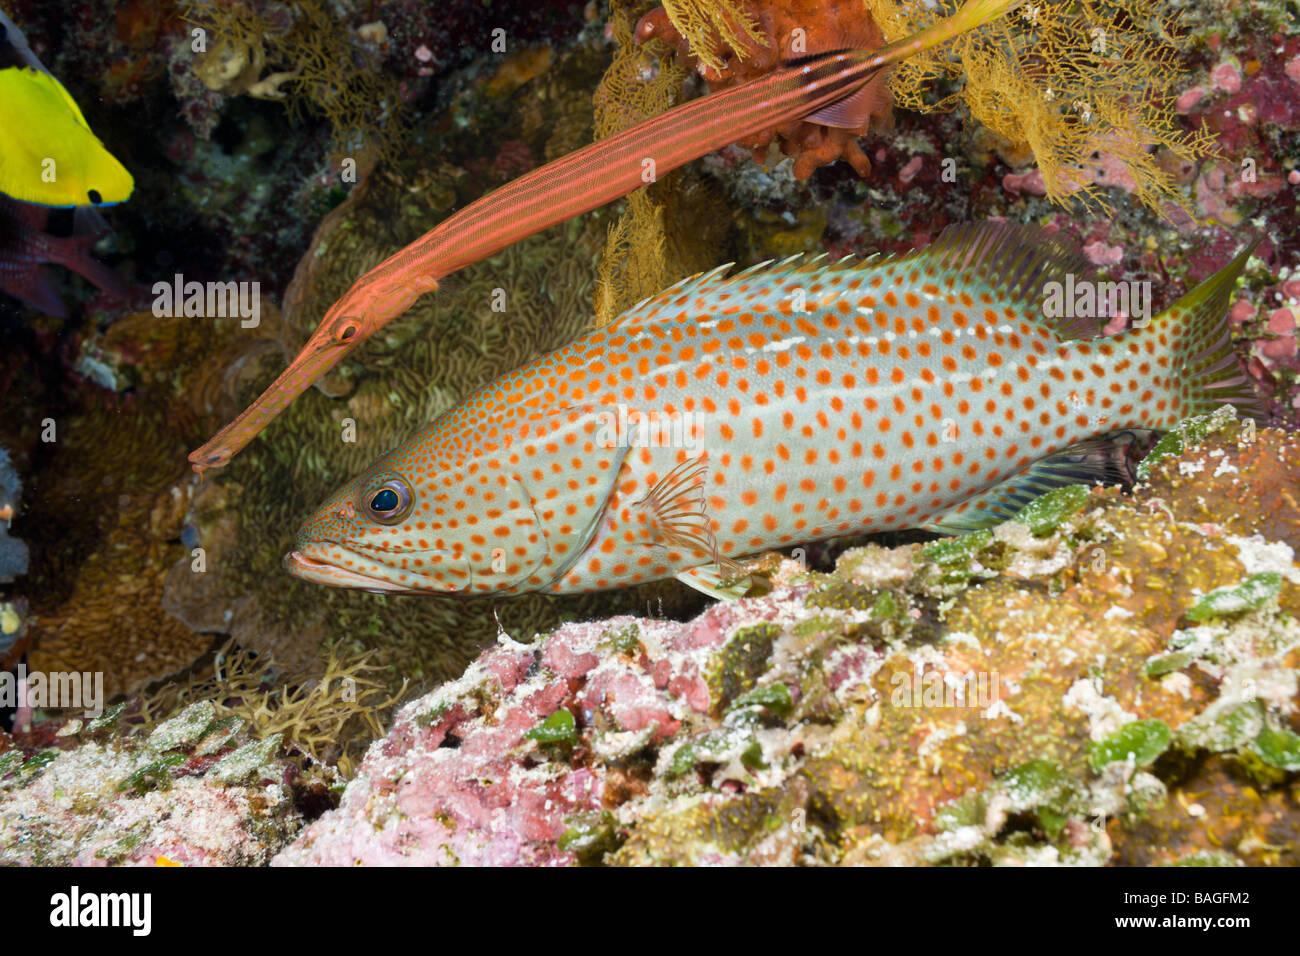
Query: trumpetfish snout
{"type": "Point", "coordinates": [787, 403]}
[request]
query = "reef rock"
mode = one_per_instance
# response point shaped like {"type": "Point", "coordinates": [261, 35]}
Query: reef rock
{"type": "Point", "coordinates": [1107, 679]}
{"type": "Point", "coordinates": [195, 791]}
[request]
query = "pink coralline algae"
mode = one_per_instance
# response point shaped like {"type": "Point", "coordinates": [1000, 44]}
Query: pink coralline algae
{"type": "Point", "coordinates": [1030, 182]}
{"type": "Point", "coordinates": [467, 776]}
{"type": "Point", "coordinates": [1220, 187]}
{"type": "Point", "coordinates": [1270, 325]}
{"type": "Point", "coordinates": [1105, 170]}
{"type": "Point", "coordinates": [1282, 323]}
{"type": "Point", "coordinates": [1189, 99]}
{"type": "Point", "coordinates": [1227, 77]}
{"type": "Point", "coordinates": [908, 172]}
{"type": "Point", "coordinates": [1100, 254]}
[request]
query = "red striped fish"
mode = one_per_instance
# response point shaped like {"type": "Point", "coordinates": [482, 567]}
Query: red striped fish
{"type": "Point", "coordinates": [824, 88]}
{"type": "Point", "coordinates": [787, 403]}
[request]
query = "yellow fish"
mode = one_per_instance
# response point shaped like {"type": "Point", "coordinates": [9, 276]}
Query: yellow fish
{"type": "Point", "coordinates": [49, 155]}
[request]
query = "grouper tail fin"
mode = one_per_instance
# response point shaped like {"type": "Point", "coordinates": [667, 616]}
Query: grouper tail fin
{"type": "Point", "coordinates": [1196, 333]}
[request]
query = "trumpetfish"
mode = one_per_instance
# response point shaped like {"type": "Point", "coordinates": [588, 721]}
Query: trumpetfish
{"type": "Point", "coordinates": [814, 400]}
{"type": "Point", "coordinates": [825, 88]}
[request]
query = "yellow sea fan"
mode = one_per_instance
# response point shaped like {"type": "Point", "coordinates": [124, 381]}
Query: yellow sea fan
{"type": "Point", "coordinates": [635, 87]}
{"type": "Point", "coordinates": [707, 25]}
{"type": "Point", "coordinates": [1069, 80]}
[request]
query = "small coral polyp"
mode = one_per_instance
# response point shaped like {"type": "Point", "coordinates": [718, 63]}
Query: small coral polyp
{"type": "Point", "coordinates": [742, 41]}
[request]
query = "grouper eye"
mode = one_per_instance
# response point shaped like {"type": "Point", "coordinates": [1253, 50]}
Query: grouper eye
{"type": "Point", "coordinates": [389, 503]}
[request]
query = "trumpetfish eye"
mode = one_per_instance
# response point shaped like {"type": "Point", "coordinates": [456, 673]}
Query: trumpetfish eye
{"type": "Point", "coordinates": [347, 332]}
{"type": "Point", "coordinates": [391, 502]}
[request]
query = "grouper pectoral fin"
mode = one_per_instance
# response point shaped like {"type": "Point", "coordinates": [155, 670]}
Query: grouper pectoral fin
{"type": "Point", "coordinates": [1108, 460]}
{"type": "Point", "coordinates": [677, 516]}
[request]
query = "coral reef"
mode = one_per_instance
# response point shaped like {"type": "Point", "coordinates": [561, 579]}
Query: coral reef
{"type": "Point", "coordinates": [196, 791]}
{"type": "Point", "coordinates": [244, 202]}
{"type": "Point", "coordinates": [1145, 647]}
{"type": "Point", "coordinates": [671, 229]}
{"type": "Point", "coordinates": [1104, 679]}
{"type": "Point", "coordinates": [934, 171]}
{"type": "Point", "coordinates": [324, 717]}
{"type": "Point", "coordinates": [110, 471]}
{"type": "Point", "coordinates": [731, 43]}
{"type": "Point", "coordinates": [1069, 81]}
{"type": "Point", "coordinates": [302, 54]}
{"type": "Point", "coordinates": [112, 499]}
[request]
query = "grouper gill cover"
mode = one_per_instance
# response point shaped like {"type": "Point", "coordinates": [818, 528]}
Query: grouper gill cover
{"type": "Point", "coordinates": [787, 403]}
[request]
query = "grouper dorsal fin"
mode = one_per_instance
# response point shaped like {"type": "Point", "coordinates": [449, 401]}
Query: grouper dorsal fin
{"type": "Point", "coordinates": [1013, 261]}
{"type": "Point", "coordinates": [1016, 261]}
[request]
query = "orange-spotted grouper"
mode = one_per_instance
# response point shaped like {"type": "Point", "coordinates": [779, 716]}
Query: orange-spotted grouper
{"type": "Point", "coordinates": [787, 403]}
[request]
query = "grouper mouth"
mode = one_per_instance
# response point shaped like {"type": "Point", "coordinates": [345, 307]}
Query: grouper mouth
{"type": "Point", "coordinates": [303, 565]}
